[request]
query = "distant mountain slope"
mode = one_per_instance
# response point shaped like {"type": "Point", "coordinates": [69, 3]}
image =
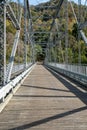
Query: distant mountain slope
{"type": "Point", "coordinates": [42, 17]}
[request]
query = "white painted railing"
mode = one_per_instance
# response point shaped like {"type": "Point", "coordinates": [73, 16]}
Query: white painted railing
{"type": "Point", "coordinates": [13, 83]}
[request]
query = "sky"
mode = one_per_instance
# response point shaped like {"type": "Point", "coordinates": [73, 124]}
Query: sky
{"type": "Point", "coordinates": [35, 2]}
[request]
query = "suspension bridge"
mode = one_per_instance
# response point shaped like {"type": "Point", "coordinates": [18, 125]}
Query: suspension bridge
{"type": "Point", "coordinates": [49, 94]}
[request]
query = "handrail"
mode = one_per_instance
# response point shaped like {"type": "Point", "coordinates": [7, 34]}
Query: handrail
{"type": "Point", "coordinates": [77, 72]}
{"type": "Point", "coordinates": [12, 84]}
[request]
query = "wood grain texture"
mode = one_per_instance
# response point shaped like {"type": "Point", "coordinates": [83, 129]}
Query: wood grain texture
{"type": "Point", "coordinates": [46, 102]}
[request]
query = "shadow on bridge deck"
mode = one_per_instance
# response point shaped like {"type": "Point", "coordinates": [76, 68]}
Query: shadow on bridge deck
{"type": "Point", "coordinates": [46, 101]}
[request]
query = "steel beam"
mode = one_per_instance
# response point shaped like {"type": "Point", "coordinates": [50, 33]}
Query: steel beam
{"type": "Point", "coordinates": [30, 31]}
{"type": "Point", "coordinates": [83, 25]}
{"type": "Point", "coordinates": [25, 33]}
{"type": "Point", "coordinates": [80, 26]}
{"type": "Point", "coordinates": [83, 37]}
{"type": "Point", "coordinates": [45, 7]}
{"type": "Point", "coordinates": [57, 12]}
{"type": "Point", "coordinates": [45, 32]}
{"type": "Point", "coordinates": [2, 42]}
{"type": "Point", "coordinates": [66, 32]}
{"type": "Point", "coordinates": [11, 61]}
{"type": "Point", "coordinates": [11, 15]}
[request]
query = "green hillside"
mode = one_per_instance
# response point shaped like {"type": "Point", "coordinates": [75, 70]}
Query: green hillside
{"type": "Point", "coordinates": [42, 17]}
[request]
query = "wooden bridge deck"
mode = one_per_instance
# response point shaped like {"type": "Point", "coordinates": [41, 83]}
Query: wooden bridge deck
{"type": "Point", "coordinates": [46, 102]}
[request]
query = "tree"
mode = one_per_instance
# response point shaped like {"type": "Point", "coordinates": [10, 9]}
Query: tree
{"type": "Point", "coordinates": [75, 31]}
{"type": "Point", "coordinates": [38, 52]}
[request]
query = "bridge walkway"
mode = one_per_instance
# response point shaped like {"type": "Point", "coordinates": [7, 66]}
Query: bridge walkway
{"type": "Point", "coordinates": [46, 102]}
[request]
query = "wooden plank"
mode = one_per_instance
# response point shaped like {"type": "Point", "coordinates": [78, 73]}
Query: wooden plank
{"type": "Point", "coordinates": [46, 102]}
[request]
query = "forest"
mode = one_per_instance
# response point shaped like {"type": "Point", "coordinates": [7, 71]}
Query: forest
{"type": "Point", "coordinates": [42, 17]}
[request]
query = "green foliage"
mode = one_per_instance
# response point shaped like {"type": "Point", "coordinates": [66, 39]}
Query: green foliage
{"type": "Point", "coordinates": [38, 53]}
{"type": "Point", "coordinates": [38, 49]}
{"type": "Point", "coordinates": [75, 31]}
{"type": "Point", "coordinates": [9, 27]}
{"type": "Point", "coordinates": [45, 19]}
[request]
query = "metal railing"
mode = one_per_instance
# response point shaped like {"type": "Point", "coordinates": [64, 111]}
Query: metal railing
{"type": "Point", "coordinates": [18, 67]}
{"type": "Point", "coordinates": [5, 90]}
{"type": "Point", "coordinates": [77, 72]}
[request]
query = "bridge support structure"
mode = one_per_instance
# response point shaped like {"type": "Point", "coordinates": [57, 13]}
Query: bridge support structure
{"type": "Point", "coordinates": [2, 42]}
{"type": "Point", "coordinates": [7, 12]}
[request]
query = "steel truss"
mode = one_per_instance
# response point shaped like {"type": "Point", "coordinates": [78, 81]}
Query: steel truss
{"type": "Point", "coordinates": [53, 25]}
{"type": "Point", "coordinates": [81, 25]}
{"type": "Point", "coordinates": [7, 12]}
{"type": "Point", "coordinates": [2, 42]}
